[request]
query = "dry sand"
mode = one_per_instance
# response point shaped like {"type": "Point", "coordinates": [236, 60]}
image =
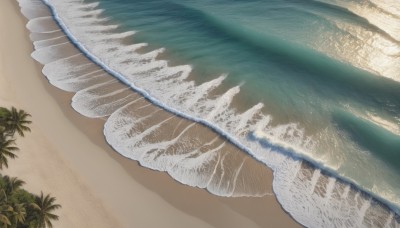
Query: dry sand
{"type": "Point", "coordinates": [66, 155]}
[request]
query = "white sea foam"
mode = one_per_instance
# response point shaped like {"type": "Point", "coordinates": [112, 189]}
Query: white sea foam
{"type": "Point", "coordinates": [49, 42]}
{"type": "Point", "coordinates": [44, 24]}
{"type": "Point", "coordinates": [44, 36]}
{"type": "Point", "coordinates": [94, 102]}
{"type": "Point", "coordinates": [36, 9]}
{"type": "Point", "coordinates": [55, 52]}
{"type": "Point", "coordinates": [135, 128]}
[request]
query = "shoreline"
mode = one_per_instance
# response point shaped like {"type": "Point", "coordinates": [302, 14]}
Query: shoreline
{"type": "Point", "coordinates": [62, 127]}
{"type": "Point", "coordinates": [154, 101]}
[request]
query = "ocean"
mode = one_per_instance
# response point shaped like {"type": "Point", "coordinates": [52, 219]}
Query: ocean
{"type": "Point", "coordinates": [308, 88]}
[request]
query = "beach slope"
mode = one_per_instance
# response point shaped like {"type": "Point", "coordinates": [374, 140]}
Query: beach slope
{"type": "Point", "coordinates": [66, 155]}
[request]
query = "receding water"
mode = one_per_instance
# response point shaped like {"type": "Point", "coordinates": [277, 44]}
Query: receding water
{"type": "Point", "coordinates": [332, 67]}
{"type": "Point", "coordinates": [283, 80]}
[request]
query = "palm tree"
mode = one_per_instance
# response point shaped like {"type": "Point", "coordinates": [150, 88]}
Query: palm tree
{"type": "Point", "coordinates": [4, 117]}
{"type": "Point", "coordinates": [7, 151]}
{"type": "Point", "coordinates": [5, 209]}
{"type": "Point", "coordinates": [3, 113]}
{"type": "Point", "coordinates": [45, 205]}
{"type": "Point", "coordinates": [12, 184]}
{"type": "Point", "coordinates": [2, 129]}
{"type": "Point", "coordinates": [15, 121]}
{"type": "Point", "coordinates": [19, 213]}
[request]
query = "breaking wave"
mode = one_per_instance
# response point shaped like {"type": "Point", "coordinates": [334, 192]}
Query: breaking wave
{"type": "Point", "coordinates": [167, 122]}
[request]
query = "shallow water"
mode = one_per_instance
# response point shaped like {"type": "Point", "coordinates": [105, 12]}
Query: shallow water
{"type": "Point", "coordinates": [282, 80]}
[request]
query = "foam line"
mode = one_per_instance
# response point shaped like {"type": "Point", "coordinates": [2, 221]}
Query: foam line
{"type": "Point", "coordinates": [282, 149]}
{"type": "Point", "coordinates": [132, 85]}
{"type": "Point", "coordinates": [228, 119]}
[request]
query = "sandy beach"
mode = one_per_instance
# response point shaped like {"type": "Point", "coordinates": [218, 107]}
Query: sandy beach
{"type": "Point", "coordinates": [66, 155]}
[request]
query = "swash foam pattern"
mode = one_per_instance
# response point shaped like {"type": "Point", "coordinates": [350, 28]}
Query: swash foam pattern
{"type": "Point", "coordinates": [167, 136]}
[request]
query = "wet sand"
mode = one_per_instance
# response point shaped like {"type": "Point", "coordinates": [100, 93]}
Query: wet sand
{"type": "Point", "coordinates": [66, 154]}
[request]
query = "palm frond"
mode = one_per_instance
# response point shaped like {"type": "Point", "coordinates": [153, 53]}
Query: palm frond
{"type": "Point", "coordinates": [4, 220]}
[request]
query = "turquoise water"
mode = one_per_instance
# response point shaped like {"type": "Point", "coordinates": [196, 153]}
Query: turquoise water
{"type": "Point", "coordinates": [326, 73]}
{"type": "Point", "coordinates": [310, 63]}
{"type": "Point", "coordinates": [274, 47]}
